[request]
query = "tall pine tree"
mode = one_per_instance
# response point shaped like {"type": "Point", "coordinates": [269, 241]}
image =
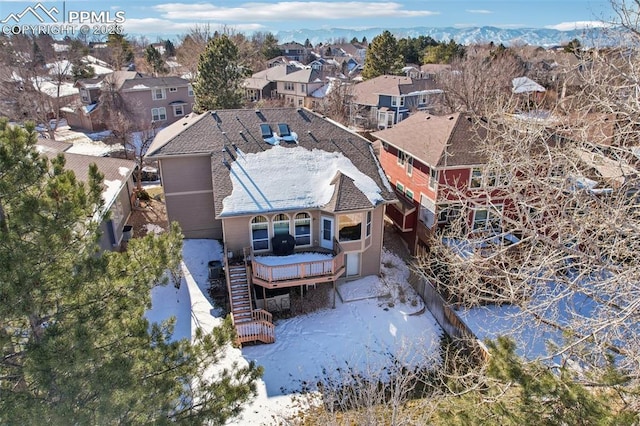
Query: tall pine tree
{"type": "Point", "coordinates": [383, 57]}
{"type": "Point", "coordinates": [76, 348]}
{"type": "Point", "coordinates": [217, 85]}
{"type": "Point", "coordinates": [155, 60]}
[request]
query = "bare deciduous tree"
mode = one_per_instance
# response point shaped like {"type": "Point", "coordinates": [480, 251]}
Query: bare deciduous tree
{"type": "Point", "coordinates": [566, 184]}
{"type": "Point", "coordinates": [479, 79]}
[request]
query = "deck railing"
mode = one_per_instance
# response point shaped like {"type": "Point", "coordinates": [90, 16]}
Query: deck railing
{"type": "Point", "coordinates": [300, 270]}
{"type": "Point", "coordinates": [259, 329]}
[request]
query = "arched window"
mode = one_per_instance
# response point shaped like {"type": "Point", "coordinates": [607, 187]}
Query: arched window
{"type": "Point", "coordinates": [303, 229]}
{"type": "Point", "coordinates": [260, 233]}
{"type": "Point", "coordinates": [281, 224]}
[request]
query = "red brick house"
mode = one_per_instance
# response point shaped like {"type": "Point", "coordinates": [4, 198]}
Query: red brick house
{"type": "Point", "coordinates": [432, 162]}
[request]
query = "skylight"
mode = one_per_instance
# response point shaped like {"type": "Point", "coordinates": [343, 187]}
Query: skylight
{"type": "Point", "coordinates": [266, 131]}
{"type": "Point", "coordinates": [283, 129]}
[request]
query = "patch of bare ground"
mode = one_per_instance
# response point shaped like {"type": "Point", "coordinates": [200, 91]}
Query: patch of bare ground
{"type": "Point", "coordinates": [149, 216]}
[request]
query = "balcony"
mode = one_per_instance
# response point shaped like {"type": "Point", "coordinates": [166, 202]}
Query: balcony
{"type": "Point", "coordinates": [307, 266]}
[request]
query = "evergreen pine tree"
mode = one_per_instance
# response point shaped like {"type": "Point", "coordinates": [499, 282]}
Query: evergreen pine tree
{"type": "Point", "coordinates": [154, 59]}
{"type": "Point", "coordinates": [217, 84]}
{"type": "Point", "coordinates": [76, 348]}
{"type": "Point", "coordinates": [383, 57]}
{"type": "Point", "coordinates": [169, 49]}
{"type": "Point", "coordinates": [270, 48]}
{"type": "Point", "coordinates": [519, 393]}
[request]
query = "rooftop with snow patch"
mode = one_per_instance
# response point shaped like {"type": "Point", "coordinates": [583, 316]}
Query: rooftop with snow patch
{"type": "Point", "coordinates": [278, 159]}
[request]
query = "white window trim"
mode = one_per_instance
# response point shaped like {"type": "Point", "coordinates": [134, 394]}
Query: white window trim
{"type": "Point", "coordinates": [486, 176]}
{"type": "Point", "coordinates": [175, 112]}
{"type": "Point", "coordinates": [433, 177]}
{"type": "Point", "coordinates": [369, 219]}
{"type": "Point", "coordinates": [495, 210]}
{"type": "Point", "coordinates": [154, 94]}
{"type": "Point", "coordinates": [190, 90]}
{"type": "Point", "coordinates": [406, 193]}
{"type": "Point", "coordinates": [159, 111]}
{"type": "Point", "coordinates": [409, 162]}
{"type": "Point", "coordinates": [397, 101]}
{"type": "Point", "coordinates": [479, 178]}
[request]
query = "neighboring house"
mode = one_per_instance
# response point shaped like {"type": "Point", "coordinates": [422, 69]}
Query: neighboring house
{"type": "Point", "coordinates": [411, 70]}
{"type": "Point", "coordinates": [84, 116]}
{"type": "Point", "coordinates": [60, 93]}
{"type": "Point", "coordinates": [424, 156]}
{"type": "Point", "coordinates": [117, 193]}
{"type": "Point", "coordinates": [278, 60]}
{"type": "Point", "coordinates": [263, 84]}
{"type": "Point", "coordinates": [294, 51]}
{"type": "Point", "coordinates": [386, 100]}
{"type": "Point", "coordinates": [151, 101]}
{"type": "Point", "coordinates": [291, 84]}
{"type": "Point", "coordinates": [161, 100]}
{"type": "Point", "coordinates": [326, 67]}
{"type": "Point", "coordinates": [296, 87]}
{"type": "Point", "coordinates": [90, 116]}
{"type": "Point", "coordinates": [281, 181]}
{"type": "Point", "coordinates": [431, 71]}
{"type": "Point", "coordinates": [529, 90]}
{"type": "Point", "coordinates": [159, 47]}
{"type": "Point", "coordinates": [64, 67]}
{"type": "Point", "coordinates": [344, 50]}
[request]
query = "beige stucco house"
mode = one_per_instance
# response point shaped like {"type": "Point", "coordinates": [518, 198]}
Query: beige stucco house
{"type": "Point", "coordinates": [295, 198]}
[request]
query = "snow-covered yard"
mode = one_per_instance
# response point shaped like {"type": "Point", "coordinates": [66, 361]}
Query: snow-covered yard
{"type": "Point", "coordinates": [378, 319]}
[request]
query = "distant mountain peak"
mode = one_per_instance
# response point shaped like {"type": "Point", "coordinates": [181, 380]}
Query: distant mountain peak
{"type": "Point", "coordinates": [544, 37]}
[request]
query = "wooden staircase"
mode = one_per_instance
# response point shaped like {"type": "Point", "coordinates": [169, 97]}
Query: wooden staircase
{"type": "Point", "coordinates": [251, 325]}
{"type": "Point", "coordinates": [239, 296]}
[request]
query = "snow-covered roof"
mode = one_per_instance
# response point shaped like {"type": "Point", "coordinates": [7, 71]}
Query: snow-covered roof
{"type": "Point", "coordinates": [258, 180]}
{"type": "Point", "coordinates": [323, 163]}
{"type": "Point", "coordinates": [526, 85]}
{"type": "Point", "coordinates": [53, 89]}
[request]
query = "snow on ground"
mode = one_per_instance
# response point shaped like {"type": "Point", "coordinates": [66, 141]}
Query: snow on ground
{"type": "Point", "coordinates": [490, 322]}
{"type": "Point", "coordinates": [152, 228]}
{"type": "Point", "coordinates": [363, 330]}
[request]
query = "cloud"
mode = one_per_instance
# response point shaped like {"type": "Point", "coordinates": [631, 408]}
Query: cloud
{"type": "Point", "coordinates": [143, 26]}
{"type": "Point", "coordinates": [479, 11]}
{"type": "Point", "coordinates": [577, 25]}
{"type": "Point", "coordinates": [289, 11]}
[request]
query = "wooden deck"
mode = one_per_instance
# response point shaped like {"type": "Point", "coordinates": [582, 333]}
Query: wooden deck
{"type": "Point", "coordinates": [299, 273]}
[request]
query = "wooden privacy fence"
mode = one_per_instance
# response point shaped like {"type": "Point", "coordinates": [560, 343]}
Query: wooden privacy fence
{"type": "Point", "coordinates": [447, 318]}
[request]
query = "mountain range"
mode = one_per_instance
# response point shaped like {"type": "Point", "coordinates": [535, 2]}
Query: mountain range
{"type": "Point", "coordinates": [507, 36]}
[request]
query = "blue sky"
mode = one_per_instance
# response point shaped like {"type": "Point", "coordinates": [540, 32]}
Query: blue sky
{"type": "Point", "coordinates": [174, 18]}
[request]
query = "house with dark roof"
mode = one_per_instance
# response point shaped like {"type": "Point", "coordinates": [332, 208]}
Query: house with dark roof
{"type": "Point", "coordinates": [294, 51]}
{"type": "Point", "coordinates": [295, 198]}
{"type": "Point", "coordinates": [117, 194]}
{"type": "Point", "coordinates": [386, 100]}
{"type": "Point", "coordinates": [292, 83]}
{"type": "Point", "coordinates": [429, 161]}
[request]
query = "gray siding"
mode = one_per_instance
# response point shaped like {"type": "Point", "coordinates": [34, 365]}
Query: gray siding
{"type": "Point", "coordinates": [189, 196]}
